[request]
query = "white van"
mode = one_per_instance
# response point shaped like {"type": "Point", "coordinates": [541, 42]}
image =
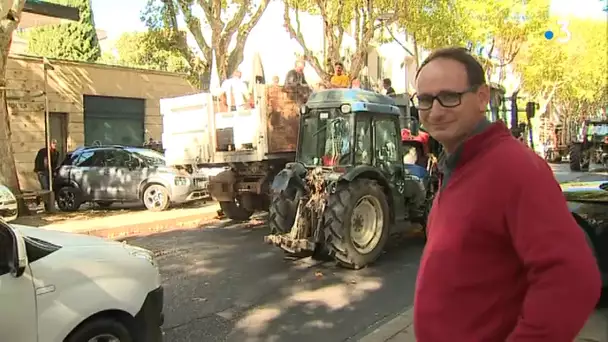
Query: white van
{"type": "Point", "coordinates": [61, 287]}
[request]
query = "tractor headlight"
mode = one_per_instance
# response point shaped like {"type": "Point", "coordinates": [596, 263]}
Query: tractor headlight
{"type": "Point", "coordinates": [345, 108]}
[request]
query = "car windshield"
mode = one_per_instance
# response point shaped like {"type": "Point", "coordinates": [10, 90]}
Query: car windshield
{"type": "Point", "coordinates": [151, 157]}
{"type": "Point", "coordinates": [325, 138]}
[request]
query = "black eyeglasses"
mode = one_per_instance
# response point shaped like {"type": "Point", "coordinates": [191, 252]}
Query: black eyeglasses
{"type": "Point", "coordinates": [447, 99]}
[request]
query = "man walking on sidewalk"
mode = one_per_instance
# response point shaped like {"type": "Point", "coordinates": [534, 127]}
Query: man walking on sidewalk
{"type": "Point", "coordinates": [505, 260]}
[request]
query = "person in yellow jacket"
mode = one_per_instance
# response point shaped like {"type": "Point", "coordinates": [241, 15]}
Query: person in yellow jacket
{"type": "Point", "coordinates": [339, 79]}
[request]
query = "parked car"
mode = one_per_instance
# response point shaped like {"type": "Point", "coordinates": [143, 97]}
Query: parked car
{"type": "Point", "coordinates": [588, 201]}
{"type": "Point", "coordinates": [58, 286]}
{"type": "Point", "coordinates": [108, 174]}
{"type": "Point", "coordinates": [8, 204]}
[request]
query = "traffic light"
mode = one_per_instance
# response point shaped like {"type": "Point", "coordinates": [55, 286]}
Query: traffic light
{"type": "Point", "coordinates": [530, 109]}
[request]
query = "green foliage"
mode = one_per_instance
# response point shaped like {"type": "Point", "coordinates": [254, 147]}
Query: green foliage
{"type": "Point", "coordinates": [153, 50]}
{"type": "Point", "coordinates": [501, 26]}
{"type": "Point", "coordinates": [71, 41]}
{"type": "Point", "coordinates": [572, 74]}
{"type": "Point", "coordinates": [360, 19]}
{"type": "Point", "coordinates": [228, 21]}
{"type": "Point", "coordinates": [150, 50]}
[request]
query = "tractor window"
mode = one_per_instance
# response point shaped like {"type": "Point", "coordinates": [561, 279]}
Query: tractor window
{"type": "Point", "coordinates": [363, 149]}
{"type": "Point", "coordinates": [325, 137]}
{"type": "Point", "coordinates": [387, 141]}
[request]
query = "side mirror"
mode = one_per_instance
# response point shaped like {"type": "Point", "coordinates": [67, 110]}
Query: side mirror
{"type": "Point", "coordinates": [18, 259]}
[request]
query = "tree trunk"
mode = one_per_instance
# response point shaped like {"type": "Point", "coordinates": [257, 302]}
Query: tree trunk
{"type": "Point", "coordinates": [8, 170]}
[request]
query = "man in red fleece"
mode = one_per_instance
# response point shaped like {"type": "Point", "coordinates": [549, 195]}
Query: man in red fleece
{"type": "Point", "coordinates": [505, 260]}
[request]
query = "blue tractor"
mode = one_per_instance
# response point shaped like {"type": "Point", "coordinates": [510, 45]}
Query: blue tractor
{"type": "Point", "coordinates": [350, 187]}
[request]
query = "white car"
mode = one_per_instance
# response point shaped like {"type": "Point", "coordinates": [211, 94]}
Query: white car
{"type": "Point", "coordinates": [62, 287]}
{"type": "Point", "coordinates": [8, 204]}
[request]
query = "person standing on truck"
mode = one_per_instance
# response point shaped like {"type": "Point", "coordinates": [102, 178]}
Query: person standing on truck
{"type": "Point", "coordinates": [295, 77]}
{"type": "Point", "coordinates": [387, 85]}
{"type": "Point", "coordinates": [237, 94]}
{"type": "Point", "coordinates": [41, 165]}
{"type": "Point", "coordinates": [339, 79]}
{"type": "Point", "coordinates": [504, 260]}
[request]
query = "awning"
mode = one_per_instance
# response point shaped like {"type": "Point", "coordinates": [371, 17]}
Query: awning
{"type": "Point", "coordinates": [39, 13]}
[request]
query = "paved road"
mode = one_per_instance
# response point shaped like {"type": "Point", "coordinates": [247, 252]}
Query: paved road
{"type": "Point", "coordinates": [224, 284]}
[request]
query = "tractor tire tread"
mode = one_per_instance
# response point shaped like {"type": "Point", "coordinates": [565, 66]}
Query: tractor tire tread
{"type": "Point", "coordinates": [335, 223]}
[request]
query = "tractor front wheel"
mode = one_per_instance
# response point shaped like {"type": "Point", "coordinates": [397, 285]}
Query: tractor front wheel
{"type": "Point", "coordinates": [356, 223]}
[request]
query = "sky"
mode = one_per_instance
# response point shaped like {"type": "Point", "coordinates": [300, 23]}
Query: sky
{"type": "Point", "coordinates": [118, 16]}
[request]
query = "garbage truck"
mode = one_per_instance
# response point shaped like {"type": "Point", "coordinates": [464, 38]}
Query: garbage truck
{"type": "Point", "coordinates": [240, 149]}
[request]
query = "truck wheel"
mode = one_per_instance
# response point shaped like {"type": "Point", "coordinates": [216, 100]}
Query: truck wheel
{"type": "Point", "coordinates": [100, 330]}
{"type": "Point", "coordinates": [283, 209]}
{"type": "Point", "coordinates": [356, 223]}
{"type": "Point", "coordinates": [68, 198]}
{"type": "Point", "coordinates": [235, 211]}
{"type": "Point", "coordinates": [156, 197]}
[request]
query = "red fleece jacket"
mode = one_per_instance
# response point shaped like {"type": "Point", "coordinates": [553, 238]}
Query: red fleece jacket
{"type": "Point", "coordinates": [505, 260]}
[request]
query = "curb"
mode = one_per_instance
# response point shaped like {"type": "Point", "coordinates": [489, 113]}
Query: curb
{"type": "Point", "coordinates": [148, 228]}
{"type": "Point", "coordinates": [393, 327]}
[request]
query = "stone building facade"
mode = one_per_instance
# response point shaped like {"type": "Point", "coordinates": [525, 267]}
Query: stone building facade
{"type": "Point", "coordinates": [88, 103]}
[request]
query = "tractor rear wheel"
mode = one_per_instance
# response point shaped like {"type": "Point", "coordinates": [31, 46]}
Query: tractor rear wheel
{"type": "Point", "coordinates": [282, 211]}
{"type": "Point", "coordinates": [356, 223]}
{"type": "Point", "coordinates": [578, 160]}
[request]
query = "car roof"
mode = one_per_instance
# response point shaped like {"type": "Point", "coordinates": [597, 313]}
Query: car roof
{"type": "Point", "coordinates": [98, 147]}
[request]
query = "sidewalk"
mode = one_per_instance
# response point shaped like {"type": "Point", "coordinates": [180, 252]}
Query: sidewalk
{"type": "Point", "coordinates": [135, 222]}
{"type": "Point", "coordinates": [401, 329]}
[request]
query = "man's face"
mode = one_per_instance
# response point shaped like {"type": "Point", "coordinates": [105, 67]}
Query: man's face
{"type": "Point", "coordinates": [299, 67]}
{"type": "Point", "coordinates": [237, 74]}
{"type": "Point", "coordinates": [53, 145]}
{"type": "Point", "coordinates": [459, 115]}
{"type": "Point", "coordinates": [338, 69]}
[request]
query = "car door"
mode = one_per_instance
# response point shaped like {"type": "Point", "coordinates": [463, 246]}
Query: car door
{"type": "Point", "coordinates": [125, 176]}
{"type": "Point", "coordinates": [18, 316]}
{"type": "Point", "coordinates": [389, 158]}
{"type": "Point", "coordinates": [95, 175]}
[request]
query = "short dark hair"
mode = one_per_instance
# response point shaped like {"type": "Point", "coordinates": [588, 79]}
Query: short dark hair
{"type": "Point", "coordinates": [387, 82]}
{"type": "Point", "coordinates": [475, 73]}
{"type": "Point", "coordinates": [339, 63]}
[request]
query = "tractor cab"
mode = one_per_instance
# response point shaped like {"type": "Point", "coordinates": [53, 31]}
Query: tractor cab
{"type": "Point", "coordinates": [342, 128]}
{"type": "Point", "coordinates": [349, 188]}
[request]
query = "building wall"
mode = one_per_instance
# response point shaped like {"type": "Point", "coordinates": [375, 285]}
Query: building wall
{"type": "Point", "coordinates": [67, 84]}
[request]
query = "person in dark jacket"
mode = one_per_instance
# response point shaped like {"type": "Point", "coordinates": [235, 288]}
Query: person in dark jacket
{"type": "Point", "coordinates": [41, 164]}
{"type": "Point", "coordinates": [504, 259]}
{"type": "Point", "coordinates": [295, 77]}
{"type": "Point", "coordinates": [388, 87]}
{"type": "Point", "coordinates": [295, 85]}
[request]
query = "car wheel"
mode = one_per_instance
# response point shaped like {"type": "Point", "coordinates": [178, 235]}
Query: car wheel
{"type": "Point", "coordinates": [156, 197]}
{"type": "Point", "coordinates": [68, 198]}
{"type": "Point", "coordinates": [100, 330]}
